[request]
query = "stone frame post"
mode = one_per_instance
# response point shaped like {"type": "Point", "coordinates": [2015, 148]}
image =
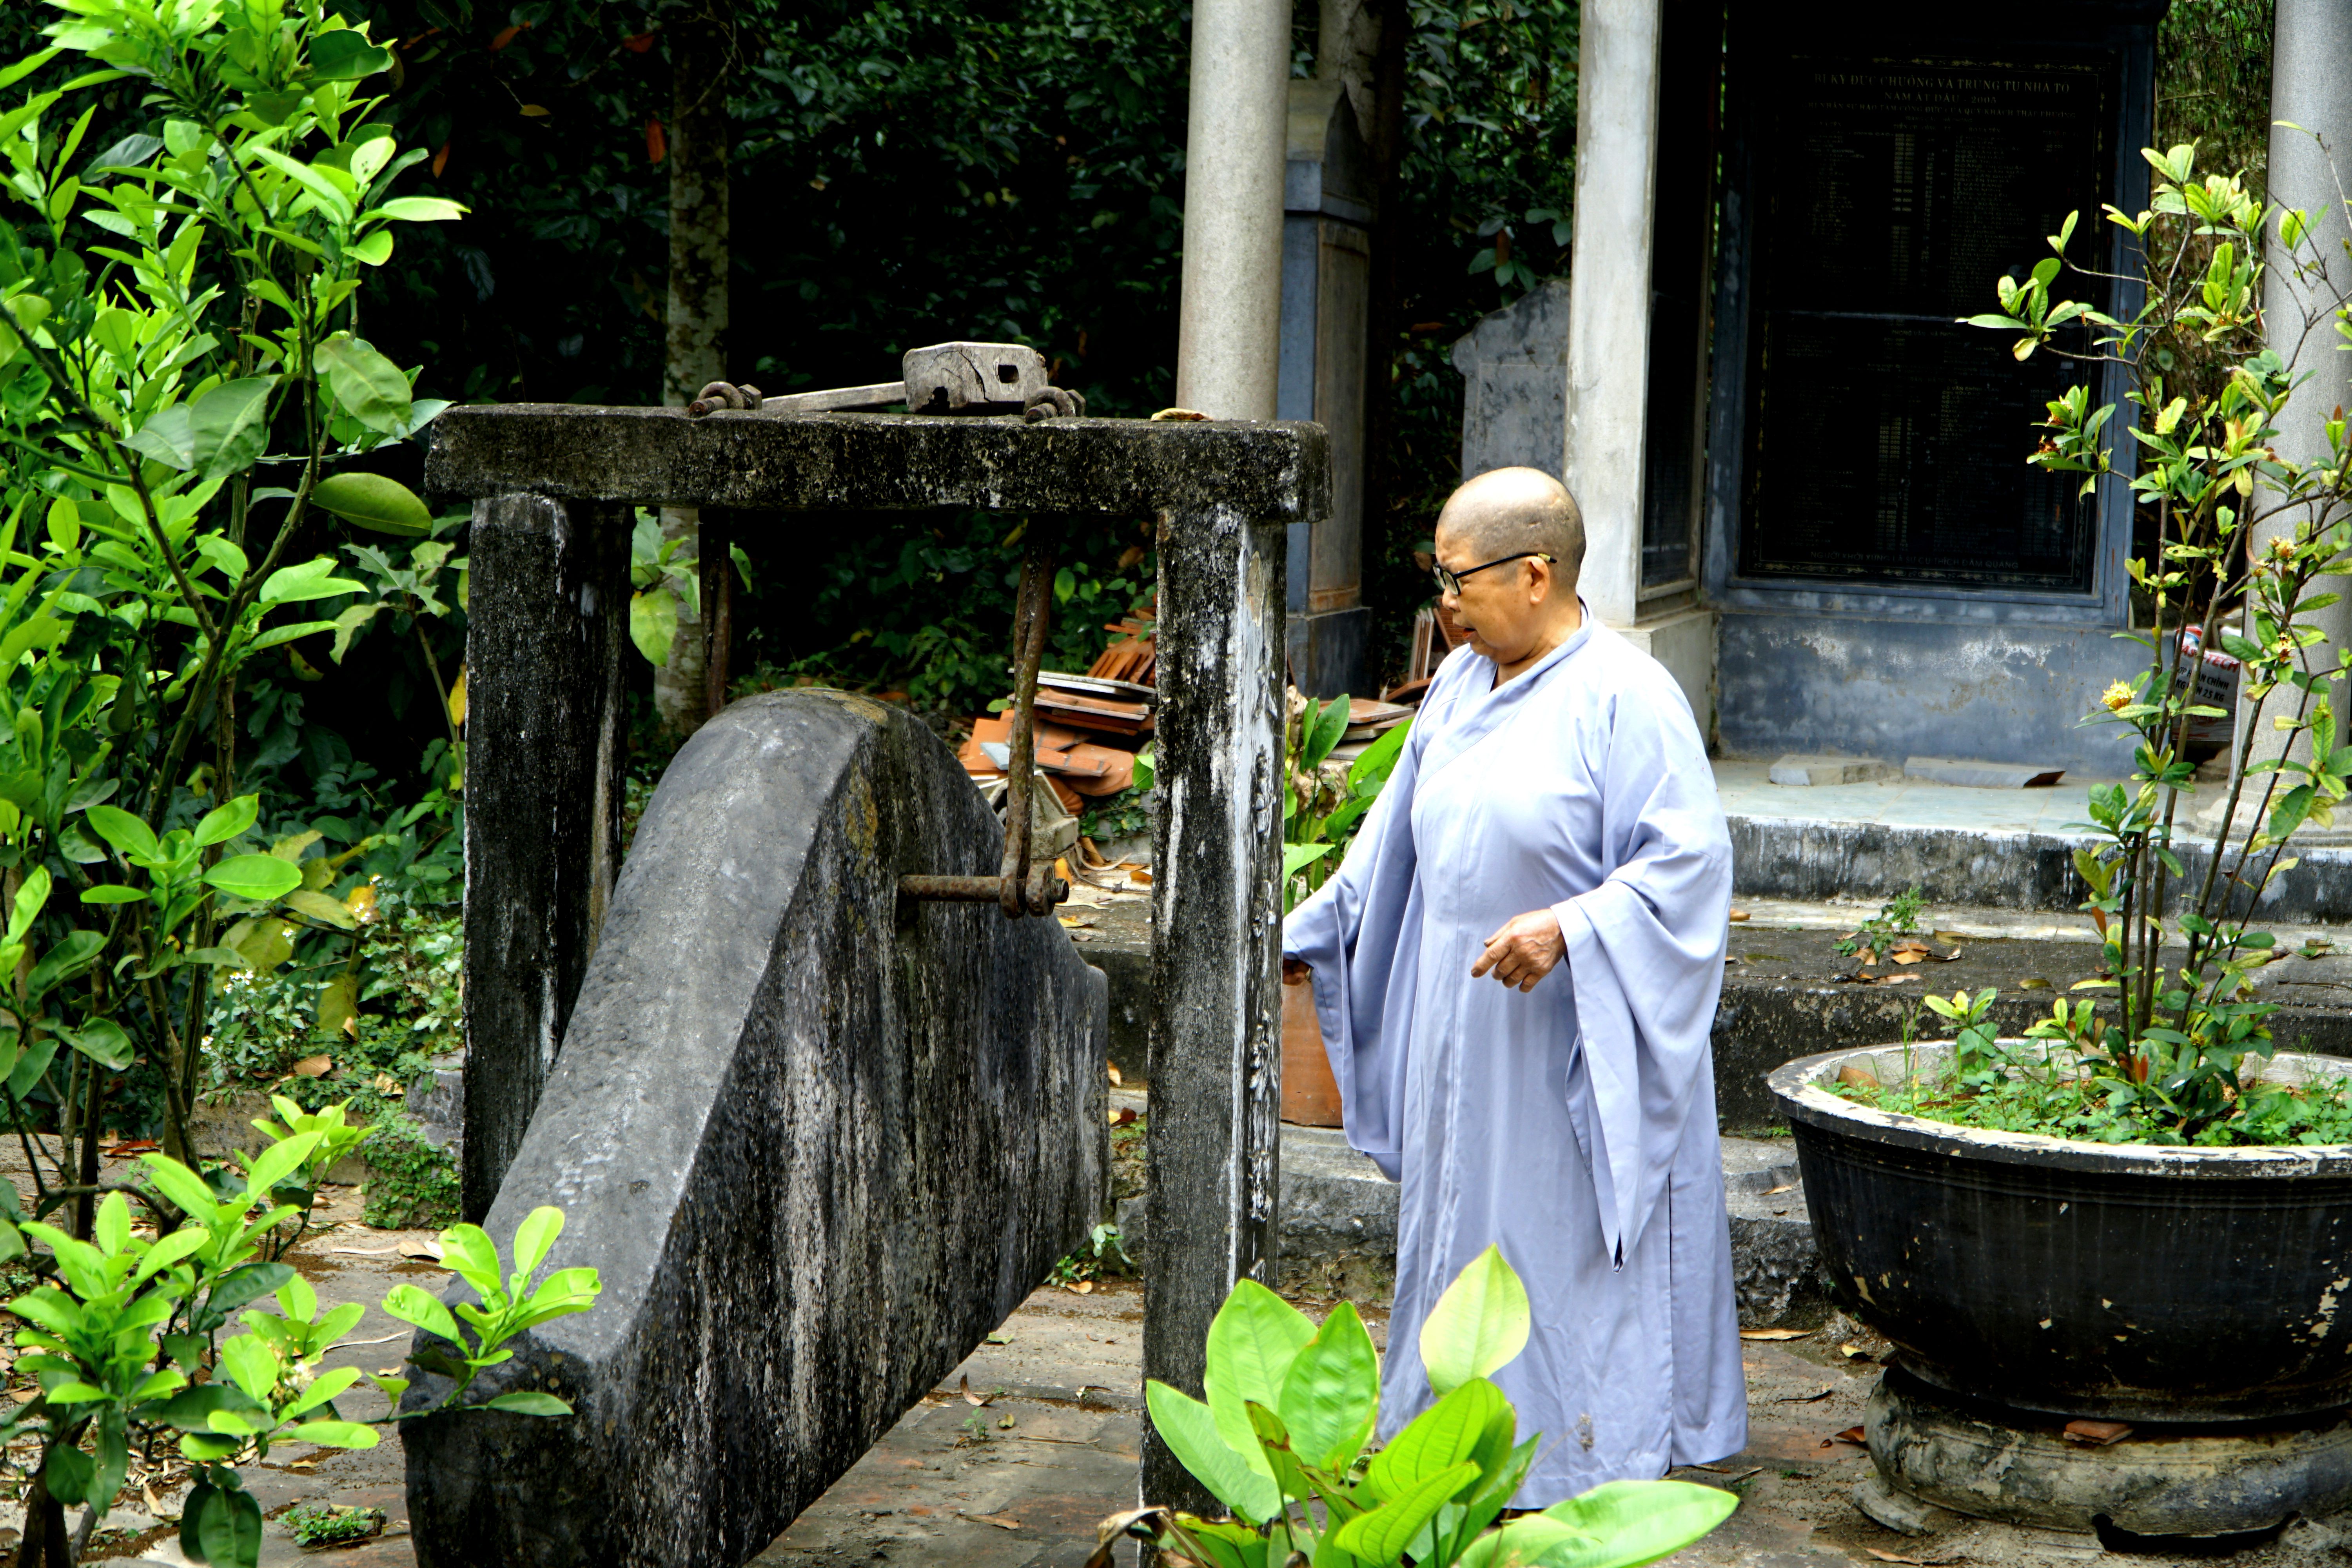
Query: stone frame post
{"type": "Point", "coordinates": [547, 594]}
{"type": "Point", "coordinates": [1217, 915]}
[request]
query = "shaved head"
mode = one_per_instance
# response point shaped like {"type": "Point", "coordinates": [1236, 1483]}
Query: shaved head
{"type": "Point", "coordinates": [1507, 510]}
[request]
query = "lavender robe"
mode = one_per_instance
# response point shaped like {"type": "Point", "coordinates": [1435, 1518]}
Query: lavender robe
{"type": "Point", "coordinates": [1573, 1125]}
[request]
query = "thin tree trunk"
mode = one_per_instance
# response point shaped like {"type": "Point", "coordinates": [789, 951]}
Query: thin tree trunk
{"type": "Point", "coordinates": [697, 349]}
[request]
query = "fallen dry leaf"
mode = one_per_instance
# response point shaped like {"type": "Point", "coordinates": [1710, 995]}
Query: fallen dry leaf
{"type": "Point", "coordinates": [314, 1067]}
{"type": "Point", "coordinates": [1775, 1334]}
{"type": "Point", "coordinates": [1823, 1392]}
{"type": "Point", "coordinates": [154, 1504]}
{"type": "Point", "coordinates": [998, 1520]}
{"type": "Point", "coordinates": [1006, 1423]}
{"type": "Point", "coordinates": [2034, 983]}
{"type": "Point", "coordinates": [1783, 1188]}
{"type": "Point", "coordinates": [2097, 1434]}
{"type": "Point", "coordinates": [998, 1339]}
{"type": "Point", "coordinates": [367, 1251]}
{"type": "Point", "coordinates": [1850, 1435]}
{"type": "Point", "coordinates": [1859, 1074]}
{"type": "Point", "coordinates": [1124, 1116]}
{"type": "Point", "coordinates": [978, 1401]}
{"type": "Point", "coordinates": [1080, 1288]}
{"type": "Point", "coordinates": [134, 1146]}
{"type": "Point", "coordinates": [389, 1086]}
{"type": "Point", "coordinates": [1739, 914]}
{"type": "Point", "coordinates": [1938, 1561]}
{"type": "Point", "coordinates": [24, 1396]}
{"type": "Point", "coordinates": [430, 1251]}
{"type": "Point", "coordinates": [1141, 875]}
{"type": "Point", "coordinates": [1115, 1078]}
{"type": "Point", "coordinates": [1850, 1350]}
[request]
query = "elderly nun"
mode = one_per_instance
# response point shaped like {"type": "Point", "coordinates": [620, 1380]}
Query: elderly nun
{"type": "Point", "coordinates": [1516, 969]}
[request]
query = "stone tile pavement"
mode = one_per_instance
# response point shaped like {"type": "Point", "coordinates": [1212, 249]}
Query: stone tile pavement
{"type": "Point", "coordinates": [1010, 1462]}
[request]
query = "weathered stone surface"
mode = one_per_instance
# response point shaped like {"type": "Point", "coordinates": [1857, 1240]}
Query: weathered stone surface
{"type": "Point", "coordinates": [547, 623]}
{"type": "Point", "coordinates": [1775, 1270]}
{"type": "Point", "coordinates": [880, 462]}
{"type": "Point", "coordinates": [1215, 1032]}
{"type": "Point", "coordinates": [1972, 773]}
{"type": "Point", "coordinates": [1803, 771]}
{"type": "Point", "coordinates": [817, 1142]}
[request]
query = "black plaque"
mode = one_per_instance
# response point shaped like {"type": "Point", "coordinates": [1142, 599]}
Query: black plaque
{"type": "Point", "coordinates": [1886, 444]}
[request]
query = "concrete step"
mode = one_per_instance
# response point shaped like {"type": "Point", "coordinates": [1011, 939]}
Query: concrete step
{"type": "Point", "coordinates": [1338, 1219]}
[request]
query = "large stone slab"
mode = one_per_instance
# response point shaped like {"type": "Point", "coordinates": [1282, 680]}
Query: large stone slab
{"type": "Point", "coordinates": [817, 1142]}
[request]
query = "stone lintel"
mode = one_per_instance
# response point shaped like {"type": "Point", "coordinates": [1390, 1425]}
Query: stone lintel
{"type": "Point", "coordinates": [1279, 471]}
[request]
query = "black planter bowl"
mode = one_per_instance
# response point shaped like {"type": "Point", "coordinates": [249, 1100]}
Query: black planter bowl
{"type": "Point", "coordinates": [2118, 1281]}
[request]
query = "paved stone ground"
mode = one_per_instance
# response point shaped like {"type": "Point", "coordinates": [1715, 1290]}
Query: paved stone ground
{"type": "Point", "coordinates": [1010, 1463]}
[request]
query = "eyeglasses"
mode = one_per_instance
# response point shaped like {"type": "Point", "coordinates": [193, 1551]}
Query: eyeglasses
{"type": "Point", "coordinates": [1451, 581]}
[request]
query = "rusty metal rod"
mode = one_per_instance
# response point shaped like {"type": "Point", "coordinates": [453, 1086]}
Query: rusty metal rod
{"type": "Point", "coordinates": [1030, 617]}
{"type": "Point", "coordinates": [1046, 887]}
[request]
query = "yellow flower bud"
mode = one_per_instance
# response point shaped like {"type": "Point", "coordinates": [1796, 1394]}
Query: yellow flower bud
{"type": "Point", "coordinates": [2116, 697]}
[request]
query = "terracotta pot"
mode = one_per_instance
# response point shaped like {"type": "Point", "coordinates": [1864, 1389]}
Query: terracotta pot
{"type": "Point", "coordinates": [1310, 1095]}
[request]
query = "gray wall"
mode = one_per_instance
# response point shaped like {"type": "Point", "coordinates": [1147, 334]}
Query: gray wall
{"type": "Point", "coordinates": [1893, 688]}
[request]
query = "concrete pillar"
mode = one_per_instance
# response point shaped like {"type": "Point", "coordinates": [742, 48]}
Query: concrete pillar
{"type": "Point", "coordinates": [2310, 86]}
{"type": "Point", "coordinates": [1325, 374]}
{"type": "Point", "coordinates": [1608, 295]}
{"type": "Point", "coordinates": [1216, 959]}
{"type": "Point", "coordinates": [1231, 311]}
{"type": "Point", "coordinates": [547, 624]}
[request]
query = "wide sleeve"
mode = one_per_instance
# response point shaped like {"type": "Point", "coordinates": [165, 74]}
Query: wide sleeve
{"type": "Point", "coordinates": [1645, 950]}
{"type": "Point", "coordinates": [1354, 931]}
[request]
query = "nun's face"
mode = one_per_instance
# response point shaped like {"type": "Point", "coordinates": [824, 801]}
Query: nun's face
{"type": "Point", "coordinates": [1506, 608]}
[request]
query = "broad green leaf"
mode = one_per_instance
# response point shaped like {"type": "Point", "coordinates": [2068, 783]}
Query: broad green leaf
{"type": "Point", "coordinates": [369, 387]}
{"type": "Point", "coordinates": [334, 1434]}
{"type": "Point", "coordinates": [1478, 1326]}
{"type": "Point", "coordinates": [1367, 773]}
{"type": "Point", "coordinates": [411, 1305]}
{"type": "Point", "coordinates": [252, 1365]}
{"type": "Point", "coordinates": [653, 623]}
{"type": "Point", "coordinates": [421, 209]}
{"type": "Point", "coordinates": [467, 1251]}
{"type": "Point", "coordinates": [256, 878]}
{"type": "Point", "coordinates": [1623, 1524]}
{"type": "Point", "coordinates": [319, 907]}
{"type": "Point", "coordinates": [223, 823]}
{"type": "Point", "coordinates": [41, 631]}
{"type": "Point", "coordinates": [229, 1530]}
{"type": "Point", "coordinates": [343, 55]}
{"type": "Point", "coordinates": [1191, 1434]}
{"type": "Point", "coordinates": [534, 1237]}
{"type": "Point", "coordinates": [529, 1403]}
{"type": "Point", "coordinates": [373, 502]}
{"type": "Point", "coordinates": [1440, 1437]}
{"type": "Point", "coordinates": [1330, 724]}
{"type": "Point", "coordinates": [112, 893]}
{"type": "Point", "coordinates": [277, 1163]}
{"type": "Point", "coordinates": [229, 426]}
{"type": "Point", "coordinates": [1332, 1392]}
{"type": "Point", "coordinates": [311, 580]}
{"type": "Point", "coordinates": [1253, 1339]}
{"type": "Point", "coordinates": [1296, 858]}
{"type": "Point", "coordinates": [1384, 1534]}
{"type": "Point", "coordinates": [168, 437]}
{"type": "Point", "coordinates": [103, 1040]}
{"type": "Point", "coordinates": [69, 1474]}
{"type": "Point", "coordinates": [123, 831]}
{"type": "Point", "coordinates": [74, 952]}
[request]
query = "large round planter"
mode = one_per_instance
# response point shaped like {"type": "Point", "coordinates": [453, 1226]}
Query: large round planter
{"type": "Point", "coordinates": [2124, 1282]}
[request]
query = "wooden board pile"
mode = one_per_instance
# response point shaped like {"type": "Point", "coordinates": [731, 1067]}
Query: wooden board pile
{"type": "Point", "coordinates": [1089, 726]}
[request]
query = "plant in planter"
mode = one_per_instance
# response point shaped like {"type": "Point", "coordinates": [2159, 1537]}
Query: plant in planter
{"type": "Point", "coordinates": [2246, 534]}
{"type": "Point", "coordinates": [1288, 1418]}
{"type": "Point", "coordinates": [2136, 1214]}
{"type": "Point", "coordinates": [1323, 805]}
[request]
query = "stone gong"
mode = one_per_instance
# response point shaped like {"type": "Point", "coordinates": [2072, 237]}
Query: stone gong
{"type": "Point", "coordinates": [817, 1142]}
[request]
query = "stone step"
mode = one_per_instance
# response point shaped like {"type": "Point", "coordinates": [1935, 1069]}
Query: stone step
{"type": "Point", "coordinates": [1338, 1219]}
